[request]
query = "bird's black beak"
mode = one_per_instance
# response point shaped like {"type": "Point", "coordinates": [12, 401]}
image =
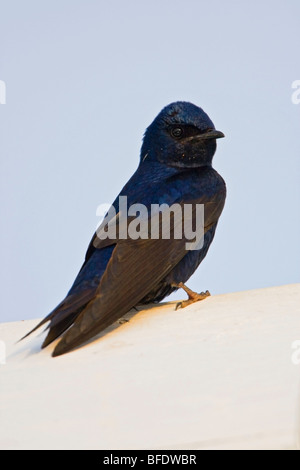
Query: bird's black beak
{"type": "Point", "coordinates": [212, 134]}
{"type": "Point", "coordinates": [209, 134]}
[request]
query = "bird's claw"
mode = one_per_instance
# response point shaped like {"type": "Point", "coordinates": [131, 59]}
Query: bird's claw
{"type": "Point", "coordinates": [193, 297]}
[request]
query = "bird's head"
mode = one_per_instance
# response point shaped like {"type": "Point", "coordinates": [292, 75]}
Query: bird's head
{"type": "Point", "coordinates": [182, 135]}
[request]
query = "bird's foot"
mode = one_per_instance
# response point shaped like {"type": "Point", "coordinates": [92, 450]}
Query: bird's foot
{"type": "Point", "coordinates": [125, 320]}
{"type": "Point", "coordinates": [193, 296]}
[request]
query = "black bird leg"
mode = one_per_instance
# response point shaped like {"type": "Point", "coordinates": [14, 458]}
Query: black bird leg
{"type": "Point", "coordinates": [193, 296]}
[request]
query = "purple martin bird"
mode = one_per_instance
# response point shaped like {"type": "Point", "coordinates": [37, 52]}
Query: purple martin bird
{"type": "Point", "coordinates": [120, 273]}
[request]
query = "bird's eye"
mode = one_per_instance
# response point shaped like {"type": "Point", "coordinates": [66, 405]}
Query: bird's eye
{"type": "Point", "coordinates": [177, 132]}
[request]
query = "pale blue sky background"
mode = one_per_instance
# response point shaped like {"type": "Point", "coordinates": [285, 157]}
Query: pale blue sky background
{"type": "Point", "coordinates": [85, 78]}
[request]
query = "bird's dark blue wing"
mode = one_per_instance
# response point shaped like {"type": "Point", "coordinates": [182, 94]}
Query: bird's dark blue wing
{"type": "Point", "coordinates": [140, 189]}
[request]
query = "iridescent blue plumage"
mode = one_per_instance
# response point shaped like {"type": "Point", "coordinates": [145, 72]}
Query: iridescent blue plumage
{"type": "Point", "coordinates": [175, 167]}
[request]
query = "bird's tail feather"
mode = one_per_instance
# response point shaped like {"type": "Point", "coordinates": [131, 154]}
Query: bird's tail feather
{"type": "Point", "coordinates": [63, 315]}
{"type": "Point", "coordinates": [55, 330]}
